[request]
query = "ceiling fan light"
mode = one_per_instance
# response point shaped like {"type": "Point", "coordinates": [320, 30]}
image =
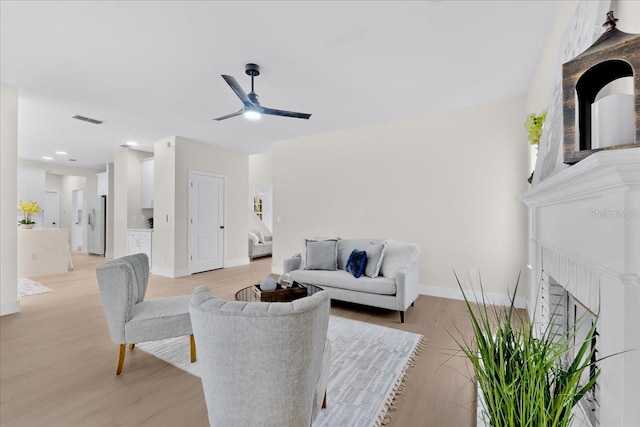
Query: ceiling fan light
{"type": "Point", "coordinates": [252, 115]}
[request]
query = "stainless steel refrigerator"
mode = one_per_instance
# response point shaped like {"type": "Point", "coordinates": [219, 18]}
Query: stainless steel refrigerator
{"type": "Point", "coordinates": [97, 226]}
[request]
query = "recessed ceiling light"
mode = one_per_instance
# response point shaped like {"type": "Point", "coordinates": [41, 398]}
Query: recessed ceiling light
{"type": "Point", "coordinates": [62, 153]}
{"type": "Point", "coordinates": [47, 158]}
{"type": "Point", "coordinates": [131, 143]}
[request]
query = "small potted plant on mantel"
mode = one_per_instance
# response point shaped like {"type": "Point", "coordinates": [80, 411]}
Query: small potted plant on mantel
{"type": "Point", "coordinates": [533, 125]}
{"type": "Point", "coordinates": [28, 209]}
{"type": "Point", "coordinates": [524, 378]}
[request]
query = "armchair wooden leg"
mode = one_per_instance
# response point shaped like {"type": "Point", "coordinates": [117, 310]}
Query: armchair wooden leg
{"type": "Point", "coordinates": [132, 346]}
{"type": "Point", "coordinates": [193, 348]}
{"type": "Point", "coordinates": [402, 317]}
{"type": "Point", "coordinates": [324, 401]}
{"type": "Point", "coordinates": [123, 348]}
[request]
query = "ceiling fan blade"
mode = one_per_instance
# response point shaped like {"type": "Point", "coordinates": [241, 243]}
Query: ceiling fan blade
{"type": "Point", "coordinates": [228, 116]}
{"type": "Point", "coordinates": [231, 81]}
{"type": "Point", "coordinates": [274, 112]}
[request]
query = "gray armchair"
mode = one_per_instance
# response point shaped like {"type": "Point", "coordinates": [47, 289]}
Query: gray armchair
{"type": "Point", "coordinates": [131, 318]}
{"type": "Point", "coordinates": [262, 364]}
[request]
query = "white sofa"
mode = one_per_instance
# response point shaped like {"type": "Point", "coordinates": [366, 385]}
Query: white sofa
{"type": "Point", "coordinates": [258, 248]}
{"type": "Point", "coordinates": [396, 288]}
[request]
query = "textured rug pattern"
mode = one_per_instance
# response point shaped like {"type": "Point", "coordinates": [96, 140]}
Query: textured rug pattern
{"type": "Point", "coordinates": [28, 287]}
{"type": "Point", "coordinates": [368, 364]}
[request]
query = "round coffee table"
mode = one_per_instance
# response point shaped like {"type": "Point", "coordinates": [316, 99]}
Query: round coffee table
{"type": "Point", "coordinates": [249, 295]}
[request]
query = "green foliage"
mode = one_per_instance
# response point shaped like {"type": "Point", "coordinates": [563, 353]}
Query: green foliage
{"type": "Point", "coordinates": [526, 380]}
{"type": "Point", "coordinates": [533, 125]}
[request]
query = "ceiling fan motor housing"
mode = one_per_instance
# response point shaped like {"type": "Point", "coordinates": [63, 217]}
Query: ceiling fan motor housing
{"type": "Point", "coordinates": [252, 70]}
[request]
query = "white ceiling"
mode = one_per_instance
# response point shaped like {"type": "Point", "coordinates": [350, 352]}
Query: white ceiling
{"type": "Point", "coordinates": [151, 69]}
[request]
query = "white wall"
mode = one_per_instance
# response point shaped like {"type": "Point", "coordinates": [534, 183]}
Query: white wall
{"type": "Point", "coordinates": [174, 157]}
{"type": "Point", "coordinates": [110, 209]}
{"type": "Point", "coordinates": [164, 207]}
{"type": "Point", "coordinates": [53, 182]}
{"type": "Point", "coordinates": [539, 95]}
{"type": "Point", "coordinates": [261, 168]}
{"type": "Point", "coordinates": [261, 179]}
{"type": "Point", "coordinates": [8, 196]}
{"type": "Point", "coordinates": [446, 181]}
{"type": "Point", "coordinates": [192, 155]}
{"type": "Point", "coordinates": [126, 197]}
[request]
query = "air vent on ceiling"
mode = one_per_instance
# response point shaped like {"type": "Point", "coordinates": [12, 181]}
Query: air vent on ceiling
{"type": "Point", "coordinates": [87, 119]}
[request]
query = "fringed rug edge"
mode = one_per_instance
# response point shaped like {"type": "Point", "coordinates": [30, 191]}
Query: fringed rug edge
{"type": "Point", "coordinates": [385, 418]}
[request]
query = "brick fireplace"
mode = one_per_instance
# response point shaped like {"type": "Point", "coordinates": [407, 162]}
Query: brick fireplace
{"type": "Point", "coordinates": [585, 259]}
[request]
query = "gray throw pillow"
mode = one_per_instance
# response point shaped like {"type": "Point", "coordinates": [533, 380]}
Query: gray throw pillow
{"type": "Point", "coordinates": [375, 255]}
{"type": "Point", "coordinates": [321, 255]}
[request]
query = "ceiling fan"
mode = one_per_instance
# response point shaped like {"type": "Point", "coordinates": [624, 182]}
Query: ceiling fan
{"type": "Point", "coordinates": [252, 109]}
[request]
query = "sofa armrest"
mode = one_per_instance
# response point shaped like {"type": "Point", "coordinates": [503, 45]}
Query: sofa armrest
{"type": "Point", "coordinates": [407, 285]}
{"type": "Point", "coordinates": [268, 238]}
{"type": "Point", "coordinates": [291, 264]}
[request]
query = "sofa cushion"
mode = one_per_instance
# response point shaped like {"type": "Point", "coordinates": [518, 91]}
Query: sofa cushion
{"type": "Point", "coordinates": [398, 255]}
{"type": "Point", "coordinates": [375, 255]}
{"type": "Point", "coordinates": [343, 280]}
{"type": "Point", "coordinates": [321, 254]}
{"type": "Point", "coordinates": [254, 238]}
{"type": "Point", "coordinates": [346, 246]}
{"type": "Point", "coordinates": [260, 236]}
{"type": "Point", "coordinates": [357, 263]}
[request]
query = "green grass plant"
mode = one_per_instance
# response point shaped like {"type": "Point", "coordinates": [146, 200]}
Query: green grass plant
{"type": "Point", "coordinates": [526, 378]}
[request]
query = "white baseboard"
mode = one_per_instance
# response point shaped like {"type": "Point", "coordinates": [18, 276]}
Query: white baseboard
{"type": "Point", "coordinates": [168, 272]}
{"type": "Point", "coordinates": [236, 262]}
{"type": "Point", "coordinates": [491, 298]}
{"type": "Point", "coordinates": [9, 308]}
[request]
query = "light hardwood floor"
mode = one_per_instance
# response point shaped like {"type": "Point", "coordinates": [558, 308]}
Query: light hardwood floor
{"type": "Point", "coordinates": [57, 360]}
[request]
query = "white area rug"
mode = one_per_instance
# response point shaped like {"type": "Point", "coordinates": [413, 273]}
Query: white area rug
{"type": "Point", "coordinates": [28, 287]}
{"type": "Point", "coordinates": [368, 364]}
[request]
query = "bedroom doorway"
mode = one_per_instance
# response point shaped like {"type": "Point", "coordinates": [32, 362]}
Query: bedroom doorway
{"type": "Point", "coordinates": [206, 221]}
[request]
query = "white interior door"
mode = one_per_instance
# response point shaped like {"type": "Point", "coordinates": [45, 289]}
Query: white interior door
{"type": "Point", "coordinates": [51, 209]}
{"type": "Point", "coordinates": [206, 221]}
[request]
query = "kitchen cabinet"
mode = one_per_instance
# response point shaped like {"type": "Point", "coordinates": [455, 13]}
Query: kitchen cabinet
{"type": "Point", "coordinates": [140, 241]}
{"type": "Point", "coordinates": [146, 185]}
{"type": "Point", "coordinates": [31, 183]}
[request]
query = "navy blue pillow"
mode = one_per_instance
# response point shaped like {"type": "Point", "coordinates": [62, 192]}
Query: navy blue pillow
{"type": "Point", "coordinates": [357, 263]}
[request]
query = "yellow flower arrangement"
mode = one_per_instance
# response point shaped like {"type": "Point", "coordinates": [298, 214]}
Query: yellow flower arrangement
{"type": "Point", "coordinates": [28, 209]}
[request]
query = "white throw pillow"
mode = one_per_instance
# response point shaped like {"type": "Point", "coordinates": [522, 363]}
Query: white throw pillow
{"type": "Point", "coordinates": [260, 236]}
{"type": "Point", "coordinates": [398, 255]}
{"type": "Point", "coordinates": [375, 257]}
{"type": "Point", "coordinates": [254, 239]}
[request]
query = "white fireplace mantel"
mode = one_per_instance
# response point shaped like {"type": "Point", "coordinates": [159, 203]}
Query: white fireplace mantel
{"type": "Point", "coordinates": [585, 234]}
{"type": "Point", "coordinates": [601, 173]}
